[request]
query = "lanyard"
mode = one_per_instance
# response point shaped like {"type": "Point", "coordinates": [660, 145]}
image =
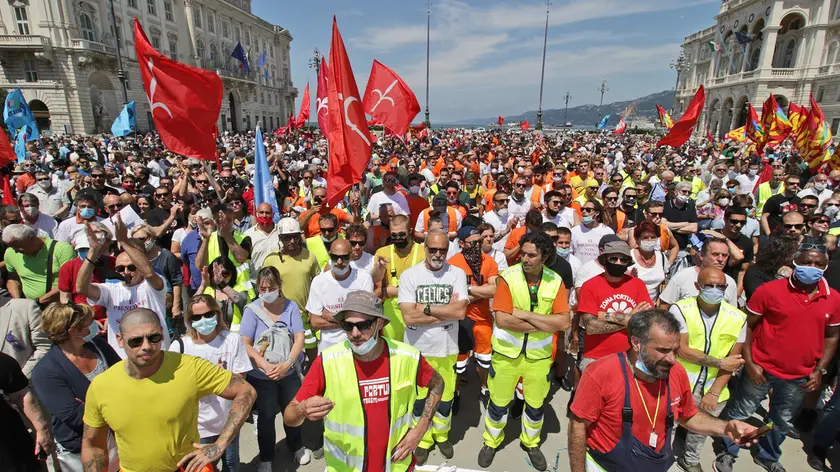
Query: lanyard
{"type": "Point", "coordinates": [653, 437]}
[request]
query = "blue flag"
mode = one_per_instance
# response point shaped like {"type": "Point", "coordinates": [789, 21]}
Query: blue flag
{"type": "Point", "coordinates": [262, 62]}
{"type": "Point", "coordinates": [239, 53]}
{"type": "Point", "coordinates": [126, 121]}
{"type": "Point", "coordinates": [20, 145]}
{"type": "Point", "coordinates": [744, 38]}
{"type": "Point", "coordinates": [16, 114]}
{"type": "Point", "coordinates": [604, 122]}
{"type": "Point", "coordinates": [263, 184]}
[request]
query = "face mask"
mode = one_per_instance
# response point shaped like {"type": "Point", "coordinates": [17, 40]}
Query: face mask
{"type": "Point", "coordinates": [44, 184]}
{"type": "Point", "coordinates": [328, 240]}
{"type": "Point", "coordinates": [148, 245]}
{"type": "Point", "coordinates": [502, 213]}
{"type": "Point", "coordinates": [265, 220]}
{"type": "Point", "coordinates": [205, 326]}
{"type": "Point", "coordinates": [364, 348]}
{"type": "Point", "coordinates": [270, 297]}
{"type": "Point", "coordinates": [414, 189]}
{"type": "Point", "coordinates": [819, 187]}
{"type": "Point", "coordinates": [615, 270]}
{"type": "Point", "coordinates": [723, 202]}
{"type": "Point", "coordinates": [712, 296]}
{"type": "Point", "coordinates": [341, 272]}
{"type": "Point", "coordinates": [630, 201]}
{"type": "Point", "coordinates": [588, 219]}
{"type": "Point", "coordinates": [94, 332]}
{"type": "Point", "coordinates": [641, 367]}
{"type": "Point", "coordinates": [753, 172]}
{"type": "Point", "coordinates": [808, 275]}
{"type": "Point", "coordinates": [649, 246]}
{"type": "Point", "coordinates": [563, 251]}
{"type": "Point", "coordinates": [682, 198]}
{"type": "Point", "coordinates": [400, 243]}
{"type": "Point", "coordinates": [30, 211]}
{"type": "Point", "coordinates": [830, 212]}
{"type": "Point", "coordinates": [87, 213]}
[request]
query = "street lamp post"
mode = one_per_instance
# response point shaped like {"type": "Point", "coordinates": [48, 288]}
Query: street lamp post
{"type": "Point", "coordinates": [542, 72]}
{"type": "Point", "coordinates": [120, 71]}
{"type": "Point", "coordinates": [428, 123]}
{"type": "Point", "coordinates": [566, 113]}
{"type": "Point", "coordinates": [315, 63]}
{"type": "Point", "coordinates": [603, 89]}
{"type": "Point", "coordinates": [679, 64]}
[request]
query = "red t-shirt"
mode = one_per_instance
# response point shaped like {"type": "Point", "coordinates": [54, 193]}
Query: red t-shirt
{"type": "Point", "coordinates": [597, 295]}
{"type": "Point", "coordinates": [375, 391]}
{"type": "Point", "coordinates": [68, 273]}
{"type": "Point", "coordinates": [789, 338]}
{"type": "Point", "coordinates": [600, 399]}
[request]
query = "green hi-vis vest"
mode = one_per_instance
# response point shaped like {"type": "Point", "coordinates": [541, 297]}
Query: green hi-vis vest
{"type": "Point", "coordinates": [242, 283]}
{"type": "Point", "coordinates": [537, 345]}
{"type": "Point", "coordinates": [318, 249]}
{"type": "Point", "coordinates": [722, 339]}
{"type": "Point", "coordinates": [764, 194]}
{"type": "Point", "coordinates": [345, 429]}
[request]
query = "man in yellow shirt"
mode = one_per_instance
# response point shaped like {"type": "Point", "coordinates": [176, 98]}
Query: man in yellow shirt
{"type": "Point", "coordinates": [150, 402]}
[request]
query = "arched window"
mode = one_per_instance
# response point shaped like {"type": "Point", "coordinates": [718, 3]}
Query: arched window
{"type": "Point", "coordinates": [199, 49]}
{"type": "Point", "coordinates": [173, 47]}
{"type": "Point", "coordinates": [86, 27]}
{"type": "Point", "coordinates": [831, 53]}
{"type": "Point", "coordinates": [214, 54]}
{"type": "Point", "coordinates": [755, 55]}
{"type": "Point", "coordinates": [788, 59]}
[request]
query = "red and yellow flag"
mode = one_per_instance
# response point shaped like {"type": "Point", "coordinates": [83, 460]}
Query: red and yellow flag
{"type": "Point", "coordinates": [774, 121]}
{"type": "Point", "coordinates": [753, 128]}
{"type": "Point", "coordinates": [664, 118]}
{"type": "Point", "coordinates": [797, 115]}
{"type": "Point", "coordinates": [817, 138]}
{"type": "Point", "coordinates": [739, 135]}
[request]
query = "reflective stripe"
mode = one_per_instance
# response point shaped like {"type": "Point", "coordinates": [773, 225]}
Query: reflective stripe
{"type": "Point", "coordinates": [412, 354]}
{"type": "Point", "coordinates": [492, 430]}
{"type": "Point", "coordinates": [332, 450]}
{"type": "Point", "coordinates": [532, 432]}
{"type": "Point", "coordinates": [540, 344]}
{"type": "Point", "coordinates": [591, 465]}
{"type": "Point", "coordinates": [402, 421]}
{"type": "Point", "coordinates": [358, 431]}
{"type": "Point", "coordinates": [504, 335]}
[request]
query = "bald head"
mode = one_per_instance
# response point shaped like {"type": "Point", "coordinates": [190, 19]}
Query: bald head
{"type": "Point", "coordinates": [137, 317]}
{"type": "Point", "coordinates": [340, 246]}
{"type": "Point", "coordinates": [710, 275]}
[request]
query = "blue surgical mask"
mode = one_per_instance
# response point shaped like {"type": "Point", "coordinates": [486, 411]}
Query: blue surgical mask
{"type": "Point", "coordinates": [587, 219]}
{"type": "Point", "coordinates": [712, 296]}
{"type": "Point", "coordinates": [364, 348]}
{"type": "Point", "coordinates": [563, 252]}
{"type": "Point", "coordinates": [94, 332]}
{"type": "Point", "coordinates": [82, 253]}
{"type": "Point", "coordinates": [808, 275]}
{"type": "Point", "coordinates": [205, 326]}
{"type": "Point", "coordinates": [641, 367]}
{"type": "Point", "coordinates": [87, 213]}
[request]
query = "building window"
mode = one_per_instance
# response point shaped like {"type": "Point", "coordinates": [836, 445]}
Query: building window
{"type": "Point", "coordinates": [238, 34]}
{"type": "Point", "coordinates": [173, 49]}
{"type": "Point", "coordinates": [225, 29]}
{"type": "Point", "coordinates": [835, 123]}
{"type": "Point", "coordinates": [156, 42]}
{"type": "Point", "coordinates": [167, 10]}
{"type": "Point", "coordinates": [30, 70]}
{"type": "Point", "coordinates": [248, 37]}
{"type": "Point", "coordinates": [214, 54]}
{"type": "Point", "coordinates": [132, 3]}
{"type": "Point", "coordinates": [86, 27]}
{"type": "Point", "coordinates": [151, 7]}
{"type": "Point", "coordinates": [22, 20]}
{"type": "Point", "coordinates": [820, 93]}
{"type": "Point", "coordinates": [127, 83]}
{"type": "Point", "coordinates": [211, 22]}
{"type": "Point", "coordinates": [199, 49]}
{"type": "Point", "coordinates": [788, 58]}
{"type": "Point", "coordinates": [117, 34]}
{"type": "Point", "coordinates": [271, 50]}
{"type": "Point", "coordinates": [262, 98]}
{"type": "Point", "coordinates": [197, 16]}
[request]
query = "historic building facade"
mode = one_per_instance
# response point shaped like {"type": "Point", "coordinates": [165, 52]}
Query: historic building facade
{"type": "Point", "coordinates": [63, 55]}
{"type": "Point", "coordinates": [790, 48]}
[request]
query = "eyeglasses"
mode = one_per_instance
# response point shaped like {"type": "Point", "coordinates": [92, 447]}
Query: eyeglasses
{"type": "Point", "coordinates": [717, 286]}
{"type": "Point", "coordinates": [122, 268]}
{"type": "Point", "coordinates": [611, 199]}
{"type": "Point", "coordinates": [734, 222]}
{"type": "Point", "coordinates": [815, 247]}
{"type": "Point", "coordinates": [518, 185]}
{"type": "Point", "coordinates": [807, 205]}
{"type": "Point", "coordinates": [337, 257]}
{"type": "Point", "coordinates": [204, 182]}
{"type": "Point", "coordinates": [16, 345]}
{"type": "Point", "coordinates": [793, 225]}
{"type": "Point", "coordinates": [97, 176]}
{"type": "Point", "coordinates": [361, 326]}
{"type": "Point", "coordinates": [654, 213]}
{"type": "Point", "coordinates": [289, 237]}
{"type": "Point", "coordinates": [44, 179]}
{"type": "Point", "coordinates": [154, 338]}
{"type": "Point", "coordinates": [399, 235]}
{"type": "Point", "coordinates": [437, 250]}
{"type": "Point", "coordinates": [500, 201]}
{"type": "Point", "coordinates": [198, 316]}
{"type": "Point", "coordinates": [357, 243]}
{"type": "Point", "coordinates": [792, 184]}
{"type": "Point", "coordinates": [115, 206]}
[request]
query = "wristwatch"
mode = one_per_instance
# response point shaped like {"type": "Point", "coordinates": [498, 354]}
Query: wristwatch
{"type": "Point", "coordinates": [427, 310]}
{"type": "Point", "coordinates": [822, 370]}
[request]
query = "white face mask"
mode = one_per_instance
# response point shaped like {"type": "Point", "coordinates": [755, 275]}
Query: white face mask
{"type": "Point", "coordinates": [341, 272]}
{"type": "Point", "coordinates": [502, 213]}
{"type": "Point", "coordinates": [819, 186]}
{"type": "Point", "coordinates": [723, 202]}
{"type": "Point", "coordinates": [649, 246]}
{"type": "Point", "coordinates": [270, 297]}
{"type": "Point", "coordinates": [44, 184]}
{"type": "Point", "coordinates": [682, 198]}
{"type": "Point", "coordinates": [414, 189]}
{"type": "Point", "coordinates": [366, 347]}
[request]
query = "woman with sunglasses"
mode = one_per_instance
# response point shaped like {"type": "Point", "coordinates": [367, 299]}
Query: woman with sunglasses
{"type": "Point", "coordinates": [276, 384]}
{"type": "Point", "coordinates": [817, 227]}
{"type": "Point", "coordinates": [208, 338]}
{"type": "Point", "coordinates": [217, 281]}
{"type": "Point", "coordinates": [61, 378]}
{"type": "Point", "coordinates": [242, 220]}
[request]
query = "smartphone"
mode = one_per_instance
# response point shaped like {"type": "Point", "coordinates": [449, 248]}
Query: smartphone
{"type": "Point", "coordinates": [760, 432]}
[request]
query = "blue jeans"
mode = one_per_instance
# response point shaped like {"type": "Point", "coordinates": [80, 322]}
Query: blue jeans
{"type": "Point", "coordinates": [230, 459]}
{"type": "Point", "coordinates": [272, 398]}
{"type": "Point", "coordinates": [785, 402]}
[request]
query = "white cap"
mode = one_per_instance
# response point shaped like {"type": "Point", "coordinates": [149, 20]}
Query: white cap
{"type": "Point", "coordinates": [82, 242]}
{"type": "Point", "coordinates": [288, 226]}
{"type": "Point", "coordinates": [316, 161]}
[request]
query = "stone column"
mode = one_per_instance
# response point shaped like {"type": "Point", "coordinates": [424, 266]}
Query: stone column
{"type": "Point", "coordinates": [747, 52]}
{"type": "Point", "coordinates": [768, 47]}
{"type": "Point", "coordinates": [188, 10]}
{"type": "Point", "coordinates": [734, 120]}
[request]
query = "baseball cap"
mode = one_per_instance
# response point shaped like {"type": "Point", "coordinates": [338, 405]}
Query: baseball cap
{"type": "Point", "coordinates": [82, 242]}
{"type": "Point", "coordinates": [617, 247]}
{"type": "Point", "coordinates": [439, 200]}
{"type": "Point", "coordinates": [607, 238]}
{"type": "Point", "coordinates": [465, 232]}
{"type": "Point", "coordinates": [288, 226]}
{"type": "Point", "coordinates": [363, 302]}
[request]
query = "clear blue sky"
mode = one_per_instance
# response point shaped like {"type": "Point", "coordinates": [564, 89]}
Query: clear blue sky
{"type": "Point", "coordinates": [486, 54]}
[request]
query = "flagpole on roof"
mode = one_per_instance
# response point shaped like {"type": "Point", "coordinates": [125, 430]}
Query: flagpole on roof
{"type": "Point", "coordinates": [120, 71]}
{"type": "Point", "coordinates": [428, 28]}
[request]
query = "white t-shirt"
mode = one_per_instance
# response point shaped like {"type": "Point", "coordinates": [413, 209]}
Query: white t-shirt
{"type": "Point", "coordinates": [586, 271]}
{"type": "Point", "coordinates": [682, 286]}
{"type": "Point", "coordinates": [179, 235]}
{"type": "Point", "coordinates": [746, 184]}
{"type": "Point", "coordinates": [498, 225]}
{"type": "Point", "coordinates": [418, 284]}
{"type": "Point", "coordinates": [585, 241]}
{"type": "Point", "coordinates": [397, 201]}
{"type": "Point", "coordinates": [364, 263]}
{"type": "Point", "coordinates": [500, 258]}
{"type": "Point", "coordinates": [226, 351]}
{"type": "Point", "coordinates": [326, 293]}
{"type": "Point", "coordinates": [420, 226]}
{"type": "Point", "coordinates": [71, 232]}
{"type": "Point", "coordinates": [519, 208]}
{"type": "Point", "coordinates": [651, 276]}
{"type": "Point", "coordinates": [564, 218]}
{"type": "Point", "coordinates": [261, 246]}
{"type": "Point", "coordinates": [45, 226]}
{"type": "Point", "coordinates": [119, 299]}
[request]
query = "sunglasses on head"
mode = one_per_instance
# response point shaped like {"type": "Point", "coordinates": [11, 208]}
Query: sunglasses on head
{"type": "Point", "coordinates": [198, 316]}
{"type": "Point", "coordinates": [815, 247]}
{"type": "Point", "coordinates": [154, 338]}
{"type": "Point", "coordinates": [362, 326]}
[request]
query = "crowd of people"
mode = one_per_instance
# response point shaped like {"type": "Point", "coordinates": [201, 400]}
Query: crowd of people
{"type": "Point", "coordinates": [671, 291]}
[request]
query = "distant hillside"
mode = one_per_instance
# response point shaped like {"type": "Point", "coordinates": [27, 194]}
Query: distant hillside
{"type": "Point", "coordinates": [645, 107]}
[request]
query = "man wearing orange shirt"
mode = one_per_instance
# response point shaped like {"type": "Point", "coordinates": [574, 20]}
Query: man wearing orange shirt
{"type": "Point", "coordinates": [318, 206]}
{"type": "Point", "coordinates": [533, 220]}
{"type": "Point", "coordinates": [477, 328]}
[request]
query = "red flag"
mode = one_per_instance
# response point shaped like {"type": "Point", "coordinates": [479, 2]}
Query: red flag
{"type": "Point", "coordinates": [501, 120]}
{"type": "Point", "coordinates": [291, 125]}
{"type": "Point", "coordinates": [764, 176]}
{"type": "Point", "coordinates": [682, 129]}
{"type": "Point", "coordinates": [349, 138]}
{"type": "Point", "coordinates": [389, 100]}
{"type": "Point", "coordinates": [321, 97]}
{"type": "Point", "coordinates": [7, 153]}
{"type": "Point", "coordinates": [621, 126]}
{"type": "Point", "coordinates": [8, 197]}
{"type": "Point", "coordinates": [303, 116]}
{"type": "Point", "coordinates": [185, 101]}
{"type": "Point", "coordinates": [525, 125]}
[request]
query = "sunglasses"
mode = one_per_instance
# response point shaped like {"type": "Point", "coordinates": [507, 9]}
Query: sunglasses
{"type": "Point", "coordinates": [361, 326]}
{"type": "Point", "coordinates": [390, 181]}
{"type": "Point", "coordinates": [619, 260]}
{"type": "Point", "coordinates": [328, 230]}
{"type": "Point", "coordinates": [718, 286]}
{"type": "Point", "coordinates": [358, 243]}
{"type": "Point", "coordinates": [134, 343]}
{"type": "Point", "coordinates": [44, 179]}
{"type": "Point", "coordinates": [336, 257]}
{"type": "Point", "coordinates": [399, 235]}
{"type": "Point", "coordinates": [611, 199]}
{"type": "Point", "coordinates": [198, 316]}
{"type": "Point", "coordinates": [123, 268]}
{"type": "Point", "coordinates": [794, 226]}
{"type": "Point", "coordinates": [500, 201]}
{"type": "Point", "coordinates": [737, 222]}
{"type": "Point", "coordinates": [202, 181]}
{"type": "Point", "coordinates": [587, 210]}
{"type": "Point", "coordinates": [115, 206]}
{"type": "Point", "coordinates": [437, 250]}
{"type": "Point", "coordinates": [807, 205]}
{"type": "Point", "coordinates": [162, 195]}
{"type": "Point", "coordinates": [289, 237]}
{"type": "Point", "coordinates": [654, 213]}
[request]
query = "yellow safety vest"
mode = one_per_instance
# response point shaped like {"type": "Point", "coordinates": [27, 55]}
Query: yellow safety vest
{"type": "Point", "coordinates": [317, 247]}
{"type": "Point", "coordinates": [242, 283]}
{"type": "Point", "coordinates": [696, 186]}
{"type": "Point", "coordinates": [537, 345]}
{"type": "Point", "coordinates": [390, 306]}
{"type": "Point", "coordinates": [724, 334]}
{"type": "Point", "coordinates": [345, 428]}
{"type": "Point", "coordinates": [237, 313]}
{"type": "Point", "coordinates": [764, 194]}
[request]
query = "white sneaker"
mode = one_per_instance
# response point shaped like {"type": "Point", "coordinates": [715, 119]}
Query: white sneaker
{"type": "Point", "coordinates": [264, 467]}
{"type": "Point", "coordinates": [318, 454]}
{"type": "Point", "coordinates": [302, 456]}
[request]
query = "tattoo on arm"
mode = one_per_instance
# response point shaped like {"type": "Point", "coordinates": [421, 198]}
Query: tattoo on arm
{"type": "Point", "coordinates": [595, 326]}
{"type": "Point", "coordinates": [97, 457]}
{"type": "Point", "coordinates": [435, 392]}
{"type": "Point", "coordinates": [240, 410]}
{"type": "Point", "coordinates": [709, 361]}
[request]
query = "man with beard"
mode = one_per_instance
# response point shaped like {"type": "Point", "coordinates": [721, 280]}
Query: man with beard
{"type": "Point", "coordinates": [625, 426]}
{"type": "Point", "coordinates": [395, 258]}
{"type": "Point", "coordinates": [320, 244]}
{"type": "Point", "coordinates": [433, 298]}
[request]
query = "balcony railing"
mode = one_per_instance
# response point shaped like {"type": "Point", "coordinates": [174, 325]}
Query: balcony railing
{"type": "Point", "coordinates": [86, 45]}
{"type": "Point", "coordinates": [783, 73]}
{"type": "Point", "coordinates": [24, 41]}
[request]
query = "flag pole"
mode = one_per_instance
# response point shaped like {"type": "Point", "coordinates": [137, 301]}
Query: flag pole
{"type": "Point", "coordinates": [603, 89]}
{"type": "Point", "coordinates": [120, 71]}
{"type": "Point", "coordinates": [542, 72]}
{"type": "Point", "coordinates": [428, 28]}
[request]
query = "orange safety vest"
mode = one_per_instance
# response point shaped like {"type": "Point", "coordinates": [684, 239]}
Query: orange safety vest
{"type": "Point", "coordinates": [450, 212]}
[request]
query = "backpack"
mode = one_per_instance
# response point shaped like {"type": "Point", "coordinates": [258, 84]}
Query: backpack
{"type": "Point", "coordinates": [275, 343]}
